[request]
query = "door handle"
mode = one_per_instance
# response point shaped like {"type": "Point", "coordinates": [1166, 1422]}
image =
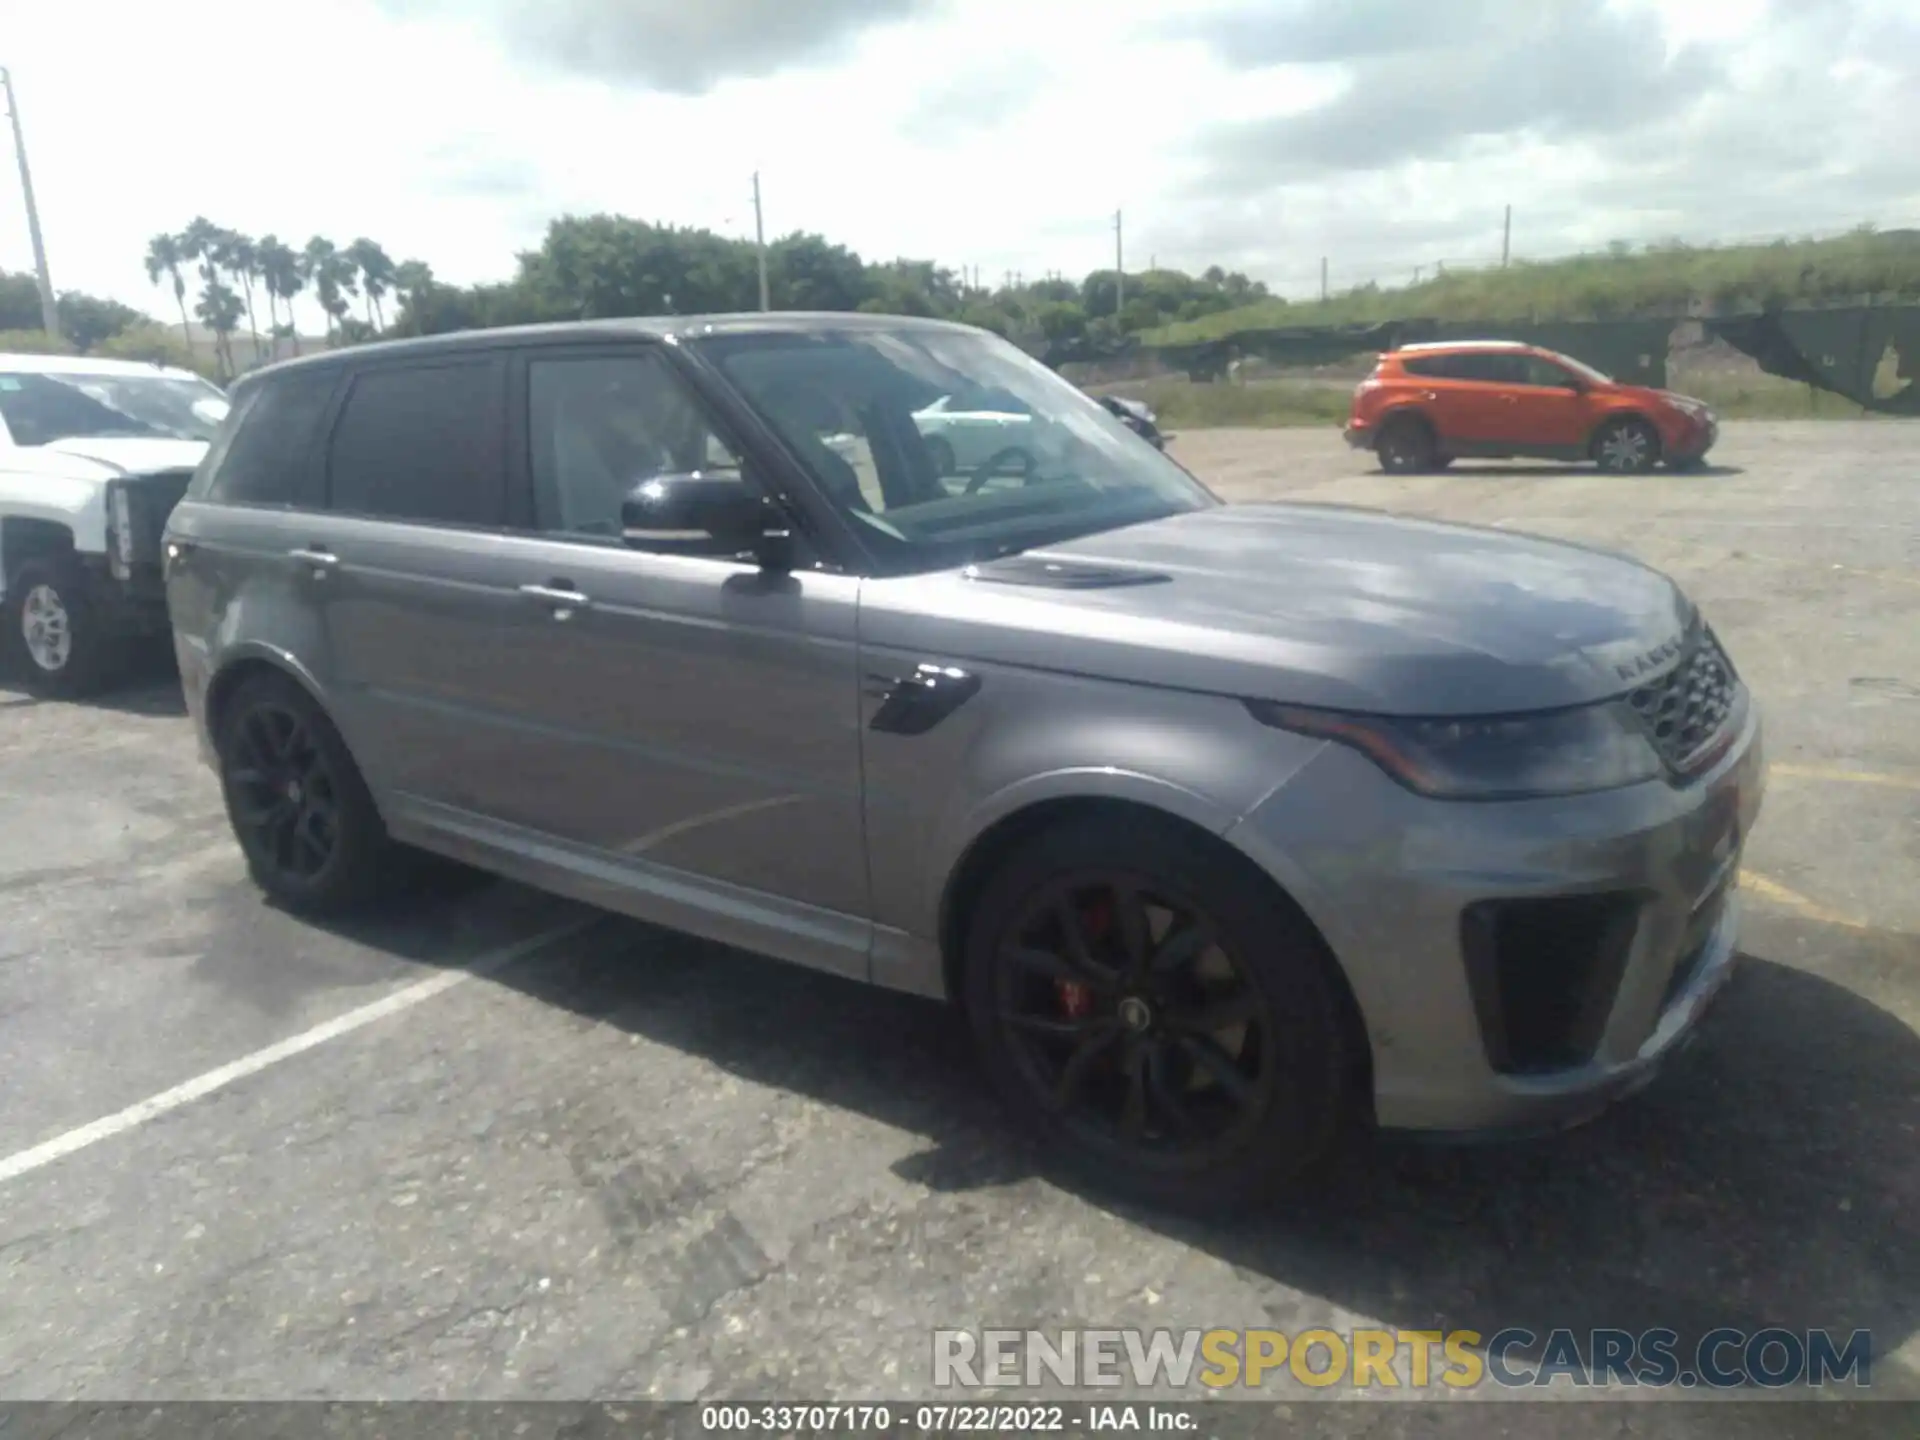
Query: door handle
{"type": "Point", "coordinates": [560, 594]}
{"type": "Point", "coordinates": [1429, 395]}
{"type": "Point", "coordinates": [1509, 399]}
{"type": "Point", "coordinates": [322, 560]}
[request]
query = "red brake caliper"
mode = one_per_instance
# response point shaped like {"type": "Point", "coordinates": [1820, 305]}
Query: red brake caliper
{"type": "Point", "coordinates": [1076, 1000]}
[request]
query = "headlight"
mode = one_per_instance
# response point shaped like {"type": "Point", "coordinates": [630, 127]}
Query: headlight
{"type": "Point", "coordinates": [1561, 752]}
{"type": "Point", "coordinates": [120, 519]}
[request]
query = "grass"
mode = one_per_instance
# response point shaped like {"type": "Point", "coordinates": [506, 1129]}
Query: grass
{"type": "Point", "coordinates": [1279, 404]}
{"type": "Point", "coordinates": [1661, 279]}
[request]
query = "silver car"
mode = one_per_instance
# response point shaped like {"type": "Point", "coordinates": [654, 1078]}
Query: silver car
{"type": "Point", "coordinates": [1229, 827]}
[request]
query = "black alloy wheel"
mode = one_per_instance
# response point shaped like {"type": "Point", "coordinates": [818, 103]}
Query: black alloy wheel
{"type": "Point", "coordinates": [284, 796]}
{"type": "Point", "coordinates": [1159, 1015]}
{"type": "Point", "coordinates": [303, 816]}
{"type": "Point", "coordinates": [1132, 1022]}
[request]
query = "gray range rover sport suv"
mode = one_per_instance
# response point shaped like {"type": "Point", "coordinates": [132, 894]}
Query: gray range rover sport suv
{"type": "Point", "coordinates": [1228, 826]}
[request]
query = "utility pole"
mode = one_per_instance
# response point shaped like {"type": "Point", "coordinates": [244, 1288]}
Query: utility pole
{"type": "Point", "coordinates": [1506, 238]}
{"type": "Point", "coordinates": [49, 312]}
{"type": "Point", "coordinates": [760, 244]}
{"type": "Point", "coordinates": [1323, 277]}
{"type": "Point", "coordinates": [1119, 270]}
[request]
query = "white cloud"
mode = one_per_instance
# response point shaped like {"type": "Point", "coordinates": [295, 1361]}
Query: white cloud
{"type": "Point", "coordinates": [996, 133]}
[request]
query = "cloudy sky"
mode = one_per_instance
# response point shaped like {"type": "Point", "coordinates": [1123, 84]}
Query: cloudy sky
{"type": "Point", "coordinates": [1003, 134]}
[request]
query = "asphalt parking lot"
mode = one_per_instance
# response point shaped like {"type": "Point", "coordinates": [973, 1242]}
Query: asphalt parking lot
{"type": "Point", "coordinates": [571, 1157]}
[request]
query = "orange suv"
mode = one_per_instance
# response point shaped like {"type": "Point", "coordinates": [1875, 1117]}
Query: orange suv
{"type": "Point", "coordinates": [1425, 406]}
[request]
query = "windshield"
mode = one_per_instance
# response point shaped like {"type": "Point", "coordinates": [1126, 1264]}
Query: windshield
{"type": "Point", "coordinates": [41, 408]}
{"type": "Point", "coordinates": [944, 447]}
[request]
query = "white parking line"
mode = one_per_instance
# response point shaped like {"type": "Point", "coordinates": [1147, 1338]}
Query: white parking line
{"type": "Point", "coordinates": [105, 1128]}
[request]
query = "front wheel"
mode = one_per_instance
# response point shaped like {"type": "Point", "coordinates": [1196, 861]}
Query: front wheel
{"type": "Point", "coordinates": [1627, 447]}
{"type": "Point", "coordinates": [1163, 1021]}
{"type": "Point", "coordinates": [65, 649]}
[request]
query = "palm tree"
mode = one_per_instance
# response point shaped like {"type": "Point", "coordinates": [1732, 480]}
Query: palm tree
{"type": "Point", "coordinates": [202, 241]}
{"type": "Point", "coordinates": [220, 310]}
{"type": "Point", "coordinates": [320, 267]}
{"type": "Point", "coordinates": [412, 279]}
{"type": "Point", "coordinates": [375, 269]}
{"type": "Point", "coordinates": [164, 258]}
{"type": "Point", "coordinates": [280, 273]}
{"type": "Point", "coordinates": [243, 263]}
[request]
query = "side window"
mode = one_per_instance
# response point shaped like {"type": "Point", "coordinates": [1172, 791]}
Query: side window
{"type": "Point", "coordinates": [597, 426]}
{"type": "Point", "coordinates": [265, 446]}
{"type": "Point", "coordinates": [1488, 368]}
{"type": "Point", "coordinates": [1433, 367]}
{"type": "Point", "coordinates": [419, 443]}
{"type": "Point", "coordinates": [1545, 373]}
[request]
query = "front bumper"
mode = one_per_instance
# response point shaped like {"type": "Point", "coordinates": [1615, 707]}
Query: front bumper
{"type": "Point", "coordinates": [1614, 921]}
{"type": "Point", "coordinates": [133, 605]}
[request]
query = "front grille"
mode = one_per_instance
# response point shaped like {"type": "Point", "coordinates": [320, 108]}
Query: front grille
{"type": "Point", "coordinates": [1544, 973]}
{"type": "Point", "coordinates": [1685, 709]}
{"type": "Point", "coordinates": [150, 501]}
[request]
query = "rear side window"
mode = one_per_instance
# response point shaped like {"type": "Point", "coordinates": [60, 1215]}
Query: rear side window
{"type": "Point", "coordinates": [264, 451]}
{"type": "Point", "coordinates": [1437, 367]}
{"type": "Point", "coordinates": [421, 443]}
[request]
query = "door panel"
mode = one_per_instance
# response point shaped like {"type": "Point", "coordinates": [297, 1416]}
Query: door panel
{"type": "Point", "coordinates": [695, 713]}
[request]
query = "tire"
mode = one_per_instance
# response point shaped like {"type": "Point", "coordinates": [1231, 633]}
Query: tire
{"type": "Point", "coordinates": [1626, 447]}
{"type": "Point", "coordinates": [1220, 1145]}
{"type": "Point", "coordinates": [940, 452]}
{"type": "Point", "coordinates": [64, 651]}
{"type": "Point", "coordinates": [325, 850]}
{"type": "Point", "coordinates": [1405, 446]}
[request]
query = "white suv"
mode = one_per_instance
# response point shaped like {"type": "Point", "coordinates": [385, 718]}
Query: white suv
{"type": "Point", "coordinates": [94, 454]}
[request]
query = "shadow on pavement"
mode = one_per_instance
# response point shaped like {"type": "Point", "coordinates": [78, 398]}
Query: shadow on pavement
{"type": "Point", "coordinates": [1768, 1177]}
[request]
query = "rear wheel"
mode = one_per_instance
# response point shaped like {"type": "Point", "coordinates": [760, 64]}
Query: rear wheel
{"type": "Point", "coordinates": [64, 649]}
{"type": "Point", "coordinates": [303, 816]}
{"type": "Point", "coordinates": [1165, 1023]}
{"type": "Point", "coordinates": [1405, 447]}
{"type": "Point", "coordinates": [1627, 447]}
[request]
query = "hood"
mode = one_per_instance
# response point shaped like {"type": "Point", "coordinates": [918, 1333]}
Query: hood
{"type": "Point", "coordinates": [130, 454]}
{"type": "Point", "coordinates": [1306, 604]}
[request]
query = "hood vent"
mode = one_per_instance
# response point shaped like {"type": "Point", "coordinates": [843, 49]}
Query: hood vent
{"type": "Point", "coordinates": [1043, 574]}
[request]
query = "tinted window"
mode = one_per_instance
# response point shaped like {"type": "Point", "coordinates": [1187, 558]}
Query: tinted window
{"type": "Point", "coordinates": [599, 425]}
{"type": "Point", "coordinates": [1544, 372]}
{"type": "Point", "coordinates": [1436, 367]}
{"type": "Point", "coordinates": [420, 444]}
{"type": "Point", "coordinates": [1489, 366]}
{"type": "Point", "coordinates": [264, 451]}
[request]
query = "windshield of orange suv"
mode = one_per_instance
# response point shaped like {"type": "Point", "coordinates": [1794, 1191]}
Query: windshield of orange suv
{"type": "Point", "coordinates": [944, 447]}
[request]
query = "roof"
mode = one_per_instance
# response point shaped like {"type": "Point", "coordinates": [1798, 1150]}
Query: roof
{"type": "Point", "coordinates": [654, 327]}
{"type": "Point", "coordinates": [87, 365]}
{"type": "Point", "coordinates": [1463, 345]}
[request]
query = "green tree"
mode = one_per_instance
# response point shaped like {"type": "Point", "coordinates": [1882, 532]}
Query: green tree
{"type": "Point", "coordinates": [283, 278]}
{"type": "Point", "coordinates": [220, 310]}
{"type": "Point", "coordinates": [88, 320]}
{"type": "Point", "coordinates": [203, 243]}
{"type": "Point", "coordinates": [331, 275]}
{"type": "Point", "coordinates": [164, 257]}
{"type": "Point", "coordinates": [376, 275]}
{"type": "Point", "coordinates": [242, 257]}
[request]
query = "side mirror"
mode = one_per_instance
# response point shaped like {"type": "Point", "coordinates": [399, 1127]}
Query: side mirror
{"type": "Point", "coordinates": [696, 514]}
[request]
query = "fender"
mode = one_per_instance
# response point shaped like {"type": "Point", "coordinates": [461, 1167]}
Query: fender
{"type": "Point", "coordinates": [76, 504]}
